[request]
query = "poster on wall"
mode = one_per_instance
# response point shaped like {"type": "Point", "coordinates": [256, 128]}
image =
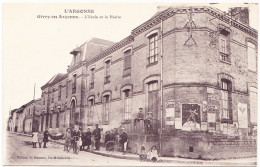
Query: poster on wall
{"type": "Point", "coordinates": [242, 115]}
{"type": "Point", "coordinates": [170, 113]}
{"type": "Point", "coordinates": [191, 117]}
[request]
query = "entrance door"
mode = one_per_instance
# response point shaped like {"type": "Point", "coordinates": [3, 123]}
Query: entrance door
{"type": "Point", "coordinates": [153, 104]}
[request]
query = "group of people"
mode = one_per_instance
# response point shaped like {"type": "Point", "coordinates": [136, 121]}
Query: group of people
{"type": "Point", "coordinates": [116, 137]}
{"type": "Point", "coordinates": [85, 138]}
{"type": "Point", "coordinates": [39, 137]}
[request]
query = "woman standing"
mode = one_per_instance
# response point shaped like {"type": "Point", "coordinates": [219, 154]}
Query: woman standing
{"type": "Point", "coordinates": [88, 137]}
{"type": "Point", "coordinates": [67, 139]}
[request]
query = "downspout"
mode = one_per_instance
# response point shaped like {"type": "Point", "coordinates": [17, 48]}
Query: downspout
{"type": "Point", "coordinates": [161, 85]}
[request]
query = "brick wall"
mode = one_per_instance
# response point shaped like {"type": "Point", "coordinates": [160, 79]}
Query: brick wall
{"type": "Point", "coordinates": [206, 146]}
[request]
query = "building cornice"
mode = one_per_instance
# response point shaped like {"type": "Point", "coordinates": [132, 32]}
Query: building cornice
{"type": "Point", "coordinates": [111, 49]}
{"type": "Point", "coordinates": [211, 11]}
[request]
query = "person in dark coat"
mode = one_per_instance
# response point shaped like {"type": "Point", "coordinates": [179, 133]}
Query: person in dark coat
{"type": "Point", "coordinates": [88, 138]}
{"type": "Point", "coordinates": [45, 138]}
{"type": "Point", "coordinates": [84, 140]}
{"type": "Point", "coordinates": [123, 140]}
{"type": "Point", "coordinates": [107, 137]}
{"type": "Point", "coordinates": [97, 137]}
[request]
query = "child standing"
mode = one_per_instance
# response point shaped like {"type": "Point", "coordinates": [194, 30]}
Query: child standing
{"type": "Point", "coordinates": [40, 139]}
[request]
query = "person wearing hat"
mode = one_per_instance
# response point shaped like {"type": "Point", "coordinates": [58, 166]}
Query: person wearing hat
{"type": "Point", "coordinates": [123, 140]}
{"type": "Point", "coordinates": [140, 116]}
{"type": "Point", "coordinates": [97, 137]}
{"type": "Point", "coordinates": [148, 122]}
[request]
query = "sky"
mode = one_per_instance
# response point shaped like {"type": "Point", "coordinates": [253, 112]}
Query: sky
{"type": "Point", "coordinates": [35, 49]}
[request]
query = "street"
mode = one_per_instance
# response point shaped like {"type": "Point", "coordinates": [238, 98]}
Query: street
{"type": "Point", "coordinates": [19, 151]}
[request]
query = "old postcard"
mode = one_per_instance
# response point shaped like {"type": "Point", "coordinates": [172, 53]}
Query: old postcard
{"type": "Point", "coordinates": [130, 84]}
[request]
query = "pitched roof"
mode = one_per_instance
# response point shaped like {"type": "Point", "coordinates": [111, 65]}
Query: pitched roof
{"type": "Point", "coordinates": [56, 78]}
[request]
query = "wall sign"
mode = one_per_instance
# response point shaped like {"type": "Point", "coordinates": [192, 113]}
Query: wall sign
{"type": "Point", "coordinates": [170, 113]}
{"type": "Point", "coordinates": [191, 116]}
{"type": "Point", "coordinates": [242, 115]}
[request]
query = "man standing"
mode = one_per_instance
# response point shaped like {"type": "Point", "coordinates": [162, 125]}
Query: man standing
{"type": "Point", "coordinates": [148, 122]}
{"type": "Point", "coordinates": [97, 137]}
{"type": "Point", "coordinates": [45, 138]}
{"type": "Point", "coordinates": [124, 139]}
{"type": "Point", "coordinates": [140, 116]}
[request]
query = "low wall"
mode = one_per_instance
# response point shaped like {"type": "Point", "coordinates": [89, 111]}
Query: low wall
{"type": "Point", "coordinates": [203, 145]}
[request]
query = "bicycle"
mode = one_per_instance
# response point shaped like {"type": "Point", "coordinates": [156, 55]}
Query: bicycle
{"type": "Point", "coordinates": [75, 145]}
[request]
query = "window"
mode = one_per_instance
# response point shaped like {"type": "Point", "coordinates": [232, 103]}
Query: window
{"type": "Point", "coordinates": [226, 100]}
{"type": "Point", "coordinates": [127, 59]}
{"type": "Point", "coordinates": [153, 48]}
{"type": "Point", "coordinates": [43, 99]}
{"type": "Point", "coordinates": [91, 86]}
{"type": "Point", "coordinates": [127, 104]}
{"type": "Point", "coordinates": [224, 45]}
{"type": "Point", "coordinates": [57, 119]}
{"type": "Point", "coordinates": [74, 83]}
{"type": "Point", "coordinates": [253, 104]}
{"type": "Point", "coordinates": [251, 54]}
{"type": "Point", "coordinates": [67, 88]}
{"type": "Point", "coordinates": [52, 96]}
{"type": "Point", "coordinates": [50, 120]}
{"type": "Point", "coordinates": [107, 71]}
{"type": "Point", "coordinates": [106, 108]}
{"type": "Point", "coordinates": [59, 97]}
{"type": "Point", "coordinates": [153, 86]}
{"type": "Point", "coordinates": [90, 110]}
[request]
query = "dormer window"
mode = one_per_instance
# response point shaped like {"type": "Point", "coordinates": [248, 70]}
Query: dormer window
{"type": "Point", "coordinates": [76, 55]}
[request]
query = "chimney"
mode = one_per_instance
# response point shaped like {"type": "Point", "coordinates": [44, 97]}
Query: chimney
{"type": "Point", "coordinates": [240, 13]}
{"type": "Point", "coordinates": [162, 8]}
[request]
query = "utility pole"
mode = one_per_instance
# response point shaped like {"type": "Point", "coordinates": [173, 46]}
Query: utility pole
{"type": "Point", "coordinates": [161, 85]}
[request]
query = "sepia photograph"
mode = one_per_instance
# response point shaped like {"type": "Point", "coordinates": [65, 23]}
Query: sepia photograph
{"type": "Point", "coordinates": [129, 84]}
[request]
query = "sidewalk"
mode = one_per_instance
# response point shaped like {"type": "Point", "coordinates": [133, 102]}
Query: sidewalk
{"type": "Point", "coordinates": [115, 154]}
{"type": "Point", "coordinates": [229, 162]}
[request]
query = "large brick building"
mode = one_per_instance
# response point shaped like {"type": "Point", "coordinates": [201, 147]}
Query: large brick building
{"type": "Point", "coordinates": [193, 68]}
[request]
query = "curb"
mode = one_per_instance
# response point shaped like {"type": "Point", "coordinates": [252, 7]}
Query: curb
{"type": "Point", "coordinates": [184, 161]}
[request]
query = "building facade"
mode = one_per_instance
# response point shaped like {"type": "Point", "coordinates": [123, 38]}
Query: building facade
{"type": "Point", "coordinates": [194, 69]}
